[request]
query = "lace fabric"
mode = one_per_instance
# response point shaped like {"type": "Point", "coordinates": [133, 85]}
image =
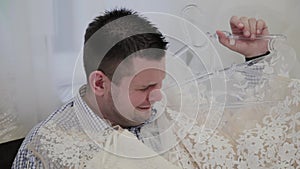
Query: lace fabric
{"type": "Point", "coordinates": [60, 143]}
{"type": "Point", "coordinates": [10, 127]}
{"type": "Point", "coordinates": [56, 147]}
{"type": "Point", "coordinates": [261, 134]}
{"type": "Point", "coordinates": [259, 127]}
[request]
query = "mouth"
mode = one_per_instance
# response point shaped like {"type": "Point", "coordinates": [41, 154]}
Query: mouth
{"type": "Point", "coordinates": [144, 108]}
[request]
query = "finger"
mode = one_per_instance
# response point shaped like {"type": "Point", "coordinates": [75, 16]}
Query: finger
{"type": "Point", "coordinates": [236, 25]}
{"type": "Point", "coordinates": [261, 27]}
{"type": "Point", "coordinates": [252, 26]}
{"type": "Point", "coordinates": [235, 22]}
{"type": "Point", "coordinates": [246, 29]}
{"type": "Point", "coordinates": [265, 31]}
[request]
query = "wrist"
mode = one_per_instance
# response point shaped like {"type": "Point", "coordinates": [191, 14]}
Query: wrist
{"type": "Point", "coordinates": [257, 56]}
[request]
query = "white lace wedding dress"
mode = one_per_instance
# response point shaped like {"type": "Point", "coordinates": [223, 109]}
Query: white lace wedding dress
{"type": "Point", "coordinates": [255, 126]}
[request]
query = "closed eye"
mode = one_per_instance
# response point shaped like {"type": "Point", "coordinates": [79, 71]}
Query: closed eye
{"type": "Point", "coordinates": [147, 87]}
{"type": "Point", "coordinates": [144, 89]}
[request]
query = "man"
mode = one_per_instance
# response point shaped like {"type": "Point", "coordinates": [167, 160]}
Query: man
{"type": "Point", "coordinates": [124, 60]}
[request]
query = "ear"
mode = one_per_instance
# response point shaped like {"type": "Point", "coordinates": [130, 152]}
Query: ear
{"type": "Point", "coordinates": [98, 82]}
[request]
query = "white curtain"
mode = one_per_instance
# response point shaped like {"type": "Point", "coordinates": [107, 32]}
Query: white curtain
{"type": "Point", "coordinates": [27, 90]}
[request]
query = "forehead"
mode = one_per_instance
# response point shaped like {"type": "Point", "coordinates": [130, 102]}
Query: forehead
{"type": "Point", "coordinates": [143, 64]}
{"type": "Point", "coordinates": [145, 72]}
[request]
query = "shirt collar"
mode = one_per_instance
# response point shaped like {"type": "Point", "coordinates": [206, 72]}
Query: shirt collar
{"type": "Point", "coordinates": [89, 119]}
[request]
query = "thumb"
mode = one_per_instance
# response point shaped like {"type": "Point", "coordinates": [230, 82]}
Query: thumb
{"type": "Point", "coordinates": [224, 40]}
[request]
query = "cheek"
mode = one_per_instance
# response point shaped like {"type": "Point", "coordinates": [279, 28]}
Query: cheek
{"type": "Point", "coordinates": [137, 98]}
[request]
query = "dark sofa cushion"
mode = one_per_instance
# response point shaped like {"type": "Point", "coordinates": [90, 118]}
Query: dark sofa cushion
{"type": "Point", "coordinates": [8, 152]}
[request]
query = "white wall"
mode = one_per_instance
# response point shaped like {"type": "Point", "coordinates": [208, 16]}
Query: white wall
{"type": "Point", "coordinates": [40, 42]}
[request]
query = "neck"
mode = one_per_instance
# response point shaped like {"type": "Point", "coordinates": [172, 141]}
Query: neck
{"type": "Point", "coordinates": [91, 101]}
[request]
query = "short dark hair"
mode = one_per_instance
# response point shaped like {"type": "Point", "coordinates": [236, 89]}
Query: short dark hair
{"type": "Point", "coordinates": [115, 35]}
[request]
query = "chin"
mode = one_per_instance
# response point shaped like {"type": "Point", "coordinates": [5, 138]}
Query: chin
{"type": "Point", "coordinates": [143, 115]}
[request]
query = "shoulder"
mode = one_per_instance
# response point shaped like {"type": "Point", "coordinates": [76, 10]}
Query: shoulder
{"type": "Point", "coordinates": [24, 156]}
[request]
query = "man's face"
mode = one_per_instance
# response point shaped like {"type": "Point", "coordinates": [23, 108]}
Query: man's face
{"type": "Point", "coordinates": [134, 96]}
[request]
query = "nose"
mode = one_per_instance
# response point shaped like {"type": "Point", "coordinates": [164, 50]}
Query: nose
{"type": "Point", "coordinates": [155, 95]}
